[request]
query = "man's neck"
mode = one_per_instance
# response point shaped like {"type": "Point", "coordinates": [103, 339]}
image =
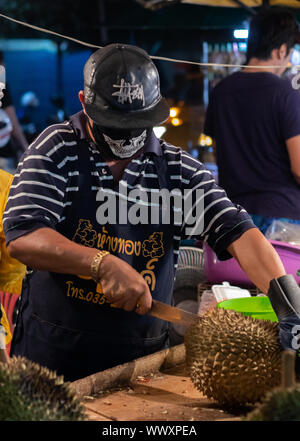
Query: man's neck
{"type": "Point", "coordinates": [266, 66]}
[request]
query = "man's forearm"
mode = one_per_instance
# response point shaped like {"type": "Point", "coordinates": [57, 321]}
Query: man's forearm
{"type": "Point", "coordinates": [257, 258]}
{"type": "Point", "coordinates": [46, 249]}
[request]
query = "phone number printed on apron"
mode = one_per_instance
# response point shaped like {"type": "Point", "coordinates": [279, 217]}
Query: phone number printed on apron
{"type": "Point", "coordinates": [82, 294]}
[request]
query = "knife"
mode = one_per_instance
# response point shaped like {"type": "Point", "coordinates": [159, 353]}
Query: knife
{"type": "Point", "coordinates": [166, 312]}
{"type": "Point", "coordinates": [172, 314]}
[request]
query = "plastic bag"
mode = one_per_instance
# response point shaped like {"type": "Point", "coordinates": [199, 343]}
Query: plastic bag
{"type": "Point", "coordinates": [284, 232]}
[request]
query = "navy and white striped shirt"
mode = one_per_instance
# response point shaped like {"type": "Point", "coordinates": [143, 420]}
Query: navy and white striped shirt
{"type": "Point", "coordinates": [46, 182]}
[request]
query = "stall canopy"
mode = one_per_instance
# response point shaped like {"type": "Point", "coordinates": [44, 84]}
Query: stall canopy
{"type": "Point", "coordinates": [248, 3]}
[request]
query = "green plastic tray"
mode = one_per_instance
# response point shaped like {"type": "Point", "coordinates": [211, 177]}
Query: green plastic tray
{"type": "Point", "coordinates": [256, 307]}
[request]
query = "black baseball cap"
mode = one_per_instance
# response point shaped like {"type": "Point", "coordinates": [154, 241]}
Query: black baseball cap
{"type": "Point", "coordinates": [122, 88]}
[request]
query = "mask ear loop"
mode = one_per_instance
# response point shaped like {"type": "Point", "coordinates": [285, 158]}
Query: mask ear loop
{"type": "Point", "coordinates": [90, 127]}
{"type": "Point", "coordinates": [95, 140]}
{"type": "Point", "coordinates": [104, 147]}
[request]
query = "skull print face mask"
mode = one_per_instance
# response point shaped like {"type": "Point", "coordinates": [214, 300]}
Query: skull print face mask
{"type": "Point", "coordinates": [122, 143]}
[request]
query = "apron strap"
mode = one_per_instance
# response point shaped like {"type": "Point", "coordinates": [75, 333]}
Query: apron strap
{"type": "Point", "coordinates": [84, 167]}
{"type": "Point", "coordinates": [163, 173]}
{"type": "Point", "coordinates": [85, 176]}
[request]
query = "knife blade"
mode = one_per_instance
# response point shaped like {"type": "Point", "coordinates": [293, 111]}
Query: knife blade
{"type": "Point", "coordinates": [172, 314]}
{"type": "Point", "coordinates": [167, 312]}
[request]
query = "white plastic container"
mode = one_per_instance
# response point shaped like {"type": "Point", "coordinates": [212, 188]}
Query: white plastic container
{"type": "Point", "coordinates": [226, 292]}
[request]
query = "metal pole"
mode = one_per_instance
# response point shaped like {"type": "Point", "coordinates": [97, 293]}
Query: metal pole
{"type": "Point", "coordinates": [240, 3]}
{"type": "Point", "coordinates": [266, 4]}
{"type": "Point", "coordinates": [102, 18]}
{"type": "Point", "coordinates": [59, 69]}
{"type": "Point", "coordinates": [205, 56]}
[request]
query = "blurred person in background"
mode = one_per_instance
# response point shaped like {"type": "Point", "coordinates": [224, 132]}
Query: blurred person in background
{"type": "Point", "coordinates": [12, 139]}
{"type": "Point", "coordinates": [27, 115]}
{"type": "Point", "coordinates": [254, 118]}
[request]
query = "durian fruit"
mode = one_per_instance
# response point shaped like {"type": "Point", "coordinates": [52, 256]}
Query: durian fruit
{"type": "Point", "coordinates": [278, 405]}
{"type": "Point", "coordinates": [30, 392]}
{"type": "Point", "coordinates": [282, 403]}
{"type": "Point", "coordinates": [232, 358]}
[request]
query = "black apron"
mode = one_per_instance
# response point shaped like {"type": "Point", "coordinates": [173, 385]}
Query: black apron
{"type": "Point", "coordinates": [63, 323]}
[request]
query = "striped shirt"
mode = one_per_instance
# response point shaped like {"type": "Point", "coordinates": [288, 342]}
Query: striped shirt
{"type": "Point", "coordinates": [46, 183]}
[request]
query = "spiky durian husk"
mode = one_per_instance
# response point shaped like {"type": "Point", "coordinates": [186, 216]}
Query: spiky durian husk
{"type": "Point", "coordinates": [278, 405]}
{"type": "Point", "coordinates": [232, 358]}
{"type": "Point", "coordinates": [30, 392]}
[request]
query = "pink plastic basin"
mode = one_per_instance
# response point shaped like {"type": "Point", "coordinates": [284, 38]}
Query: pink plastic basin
{"type": "Point", "coordinates": [217, 271]}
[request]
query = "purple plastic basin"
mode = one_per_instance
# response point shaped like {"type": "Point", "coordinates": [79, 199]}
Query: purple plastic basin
{"type": "Point", "coordinates": [217, 271]}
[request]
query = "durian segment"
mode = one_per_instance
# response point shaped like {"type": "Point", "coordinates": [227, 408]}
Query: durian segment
{"type": "Point", "coordinates": [233, 359]}
{"type": "Point", "coordinates": [30, 392]}
{"type": "Point", "coordinates": [278, 405]}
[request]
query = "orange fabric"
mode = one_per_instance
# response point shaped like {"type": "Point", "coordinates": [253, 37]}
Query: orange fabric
{"type": "Point", "coordinates": [5, 324]}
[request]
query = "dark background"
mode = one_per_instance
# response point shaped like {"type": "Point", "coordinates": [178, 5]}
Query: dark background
{"type": "Point", "coordinates": [54, 66]}
{"type": "Point", "coordinates": [51, 66]}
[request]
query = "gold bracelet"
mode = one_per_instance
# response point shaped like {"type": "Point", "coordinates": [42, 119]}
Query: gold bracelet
{"type": "Point", "coordinates": [96, 263]}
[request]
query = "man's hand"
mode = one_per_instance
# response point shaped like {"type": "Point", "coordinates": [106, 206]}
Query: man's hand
{"type": "Point", "coordinates": [123, 286]}
{"type": "Point", "coordinates": [284, 295]}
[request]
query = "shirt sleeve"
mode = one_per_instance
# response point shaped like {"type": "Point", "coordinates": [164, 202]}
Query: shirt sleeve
{"type": "Point", "coordinates": [213, 216]}
{"type": "Point", "coordinates": [36, 197]}
{"type": "Point", "coordinates": [290, 115]}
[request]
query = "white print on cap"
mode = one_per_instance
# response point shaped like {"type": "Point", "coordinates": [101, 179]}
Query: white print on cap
{"type": "Point", "coordinates": [129, 92]}
{"type": "Point", "coordinates": [122, 150]}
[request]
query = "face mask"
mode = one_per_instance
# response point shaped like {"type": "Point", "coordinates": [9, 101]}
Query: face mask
{"type": "Point", "coordinates": [125, 148]}
{"type": "Point", "coordinates": [122, 143]}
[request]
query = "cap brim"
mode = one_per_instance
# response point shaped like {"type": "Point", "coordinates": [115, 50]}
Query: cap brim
{"type": "Point", "coordinates": [143, 119]}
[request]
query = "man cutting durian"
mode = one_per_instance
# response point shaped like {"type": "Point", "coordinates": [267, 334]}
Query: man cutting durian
{"type": "Point", "coordinates": [65, 220]}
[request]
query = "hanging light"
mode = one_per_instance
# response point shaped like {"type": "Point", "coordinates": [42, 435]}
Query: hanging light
{"type": "Point", "coordinates": [240, 33]}
{"type": "Point", "coordinates": [205, 140]}
{"type": "Point", "coordinates": [174, 111]}
{"type": "Point", "coordinates": [176, 122]}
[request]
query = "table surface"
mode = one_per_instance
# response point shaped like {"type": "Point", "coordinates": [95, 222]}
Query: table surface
{"type": "Point", "coordinates": [161, 396]}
